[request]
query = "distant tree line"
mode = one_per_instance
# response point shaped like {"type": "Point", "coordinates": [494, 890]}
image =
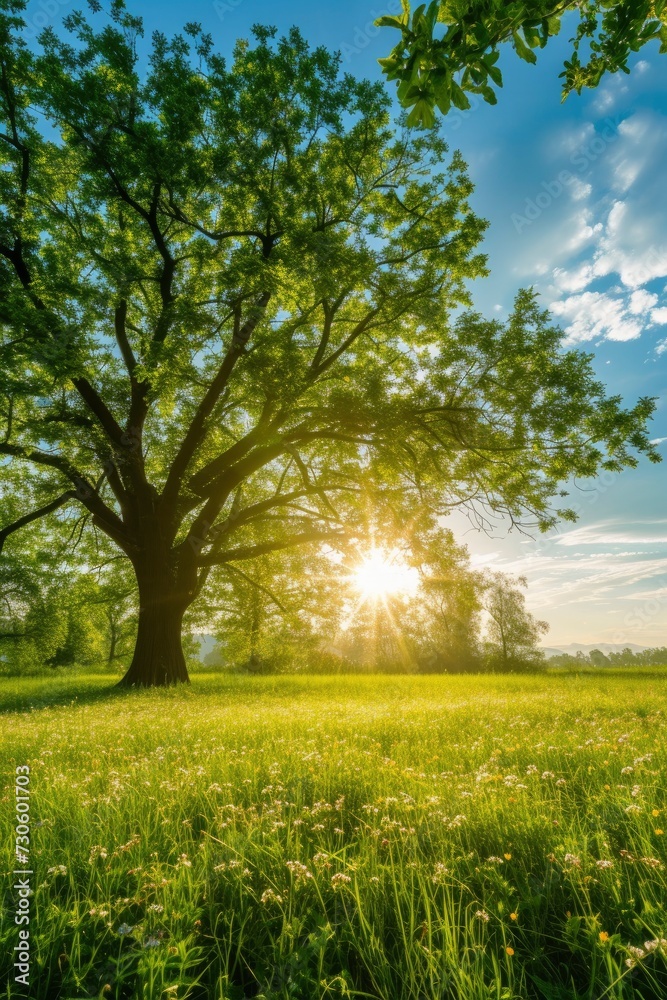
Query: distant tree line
{"type": "Point", "coordinates": [68, 603]}
{"type": "Point", "coordinates": [656, 656]}
{"type": "Point", "coordinates": [289, 614]}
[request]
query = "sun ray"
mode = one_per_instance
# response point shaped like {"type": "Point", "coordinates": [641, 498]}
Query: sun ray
{"type": "Point", "coordinates": [381, 574]}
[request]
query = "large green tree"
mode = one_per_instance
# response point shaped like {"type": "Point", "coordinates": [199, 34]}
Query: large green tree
{"type": "Point", "coordinates": [225, 301]}
{"type": "Point", "coordinates": [450, 48]}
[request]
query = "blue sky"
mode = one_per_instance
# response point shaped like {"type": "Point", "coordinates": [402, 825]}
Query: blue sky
{"type": "Point", "coordinates": [575, 197]}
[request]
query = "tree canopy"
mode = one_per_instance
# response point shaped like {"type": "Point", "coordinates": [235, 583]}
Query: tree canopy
{"type": "Point", "coordinates": [227, 299]}
{"type": "Point", "coordinates": [451, 48]}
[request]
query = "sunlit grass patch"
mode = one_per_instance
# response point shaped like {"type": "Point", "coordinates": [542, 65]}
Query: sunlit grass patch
{"type": "Point", "coordinates": [397, 838]}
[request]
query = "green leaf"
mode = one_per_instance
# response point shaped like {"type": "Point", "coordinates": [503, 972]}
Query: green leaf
{"type": "Point", "coordinates": [422, 114]}
{"type": "Point", "coordinates": [522, 49]}
{"type": "Point", "coordinates": [391, 22]}
{"type": "Point", "coordinates": [459, 99]}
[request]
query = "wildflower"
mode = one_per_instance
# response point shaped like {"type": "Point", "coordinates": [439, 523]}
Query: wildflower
{"type": "Point", "coordinates": [633, 808]}
{"type": "Point", "coordinates": [129, 845]}
{"type": "Point", "coordinates": [636, 791]}
{"type": "Point", "coordinates": [509, 951]}
{"type": "Point", "coordinates": [152, 942]}
{"type": "Point", "coordinates": [658, 832]}
{"type": "Point", "coordinates": [299, 872]}
{"type": "Point", "coordinates": [374, 878]}
{"type": "Point", "coordinates": [655, 812]}
{"type": "Point", "coordinates": [603, 936]}
{"type": "Point", "coordinates": [604, 864]}
{"type": "Point", "coordinates": [514, 916]}
{"type": "Point", "coordinates": [651, 862]}
{"type": "Point", "coordinates": [573, 860]}
{"type": "Point", "coordinates": [547, 774]}
{"type": "Point", "coordinates": [627, 770]}
{"type": "Point", "coordinates": [57, 870]}
{"type": "Point", "coordinates": [482, 915]}
{"type": "Point", "coordinates": [531, 769]}
{"type": "Point", "coordinates": [561, 782]}
{"type": "Point", "coordinates": [98, 913]}
{"type": "Point", "coordinates": [124, 930]}
{"type": "Point", "coordinates": [183, 861]}
{"type": "Point", "coordinates": [269, 896]}
{"type": "Point", "coordinates": [507, 857]}
{"type": "Point", "coordinates": [339, 880]}
{"type": "Point", "coordinates": [156, 908]}
{"type": "Point", "coordinates": [439, 872]}
{"type": "Point", "coordinates": [495, 861]}
{"type": "Point", "coordinates": [97, 852]}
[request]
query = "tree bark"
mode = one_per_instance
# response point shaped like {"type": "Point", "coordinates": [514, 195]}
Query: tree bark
{"type": "Point", "coordinates": [158, 659]}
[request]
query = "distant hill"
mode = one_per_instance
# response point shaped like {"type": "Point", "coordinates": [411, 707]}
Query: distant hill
{"type": "Point", "coordinates": [605, 647]}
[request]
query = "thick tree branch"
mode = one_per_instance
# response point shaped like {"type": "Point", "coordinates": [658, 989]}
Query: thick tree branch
{"type": "Point", "coordinates": [263, 548]}
{"type": "Point", "coordinates": [322, 366]}
{"type": "Point", "coordinates": [87, 494]}
{"type": "Point", "coordinates": [120, 327]}
{"type": "Point", "coordinates": [197, 430]}
{"type": "Point", "coordinates": [35, 515]}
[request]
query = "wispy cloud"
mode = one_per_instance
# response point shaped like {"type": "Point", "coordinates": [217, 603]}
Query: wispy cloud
{"type": "Point", "coordinates": [614, 533]}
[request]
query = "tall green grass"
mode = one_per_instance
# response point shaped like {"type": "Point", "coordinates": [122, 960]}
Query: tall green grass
{"type": "Point", "coordinates": [395, 838]}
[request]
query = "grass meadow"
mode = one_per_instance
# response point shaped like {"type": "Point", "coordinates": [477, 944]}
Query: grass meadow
{"type": "Point", "coordinates": [394, 838]}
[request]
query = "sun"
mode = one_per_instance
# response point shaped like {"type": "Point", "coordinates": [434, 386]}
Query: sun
{"type": "Point", "coordinates": [381, 574]}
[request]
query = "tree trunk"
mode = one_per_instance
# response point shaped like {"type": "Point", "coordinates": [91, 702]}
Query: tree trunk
{"type": "Point", "coordinates": [158, 659]}
{"type": "Point", "coordinates": [113, 639]}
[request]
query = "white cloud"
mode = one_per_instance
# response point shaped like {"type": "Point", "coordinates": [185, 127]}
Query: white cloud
{"type": "Point", "coordinates": [574, 579]}
{"type": "Point", "coordinates": [579, 190]}
{"type": "Point", "coordinates": [612, 533]}
{"type": "Point", "coordinates": [595, 315]}
{"type": "Point", "coordinates": [627, 240]}
{"type": "Point", "coordinates": [641, 301]}
{"type": "Point", "coordinates": [603, 102]}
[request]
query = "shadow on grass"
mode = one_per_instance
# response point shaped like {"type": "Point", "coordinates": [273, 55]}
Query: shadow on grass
{"type": "Point", "coordinates": [35, 693]}
{"type": "Point", "coordinates": [30, 694]}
